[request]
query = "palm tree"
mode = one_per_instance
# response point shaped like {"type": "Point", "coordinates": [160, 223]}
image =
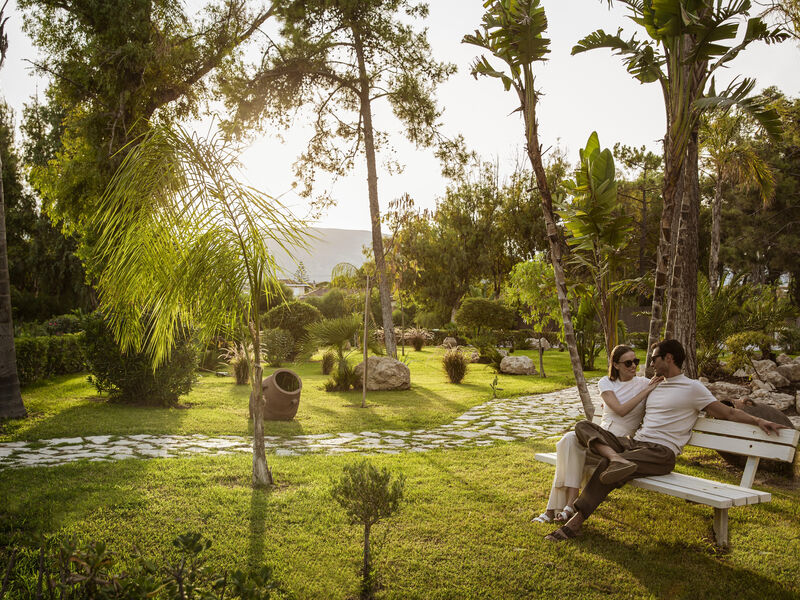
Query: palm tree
{"type": "Point", "coordinates": [730, 159]}
{"type": "Point", "coordinates": [513, 31]}
{"type": "Point", "coordinates": [11, 405]}
{"type": "Point", "coordinates": [182, 241]}
{"type": "Point", "coordinates": [688, 41]}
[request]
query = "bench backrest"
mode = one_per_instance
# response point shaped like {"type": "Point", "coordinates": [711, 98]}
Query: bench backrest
{"type": "Point", "coordinates": [739, 438]}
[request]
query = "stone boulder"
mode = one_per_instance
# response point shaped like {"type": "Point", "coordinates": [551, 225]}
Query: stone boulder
{"type": "Point", "coordinates": [517, 365]}
{"type": "Point", "coordinates": [790, 371]}
{"type": "Point", "coordinates": [797, 402]}
{"type": "Point", "coordinates": [769, 413]}
{"type": "Point", "coordinates": [503, 352]}
{"type": "Point", "coordinates": [773, 399]}
{"type": "Point", "coordinates": [741, 373]}
{"type": "Point", "coordinates": [384, 373]}
{"type": "Point", "coordinates": [775, 378]}
{"type": "Point", "coordinates": [536, 342]}
{"type": "Point", "coordinates": [783, 359]}
{"type": "Point", "coordinates": [450, 342]}
{"type": "Point", "coordinates": [757, 384]}
{"type": "Point", "coordinates": [764, 365]}
{"type": "Point", "coordinates": [723, 390]}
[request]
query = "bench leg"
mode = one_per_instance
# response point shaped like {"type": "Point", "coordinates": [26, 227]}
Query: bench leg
{"type": "Point", "coordinates": [721, 526]}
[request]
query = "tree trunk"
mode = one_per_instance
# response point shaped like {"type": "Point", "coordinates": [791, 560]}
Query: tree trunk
{"type": "Point", "coordinates": [675, 263]}
{"type": "Point", "coordinates": [11, 405]}
{"type": "Point", "coordinates": [374, 207]}
{"type": "Point", "coordinates": [365, 345]}
{"type": "Point", "coordinates": [528, 100]}
{"type": "Point", "coordinates": [262, 477]}
{"type": "Point", "coordinates": [716, 229]}
{"type": "Point", "coordinates": [643, 235]}
{"type": "Point", "coordinates": [541, 360]}
{"type": "Point", "coordinates": [685, 315]}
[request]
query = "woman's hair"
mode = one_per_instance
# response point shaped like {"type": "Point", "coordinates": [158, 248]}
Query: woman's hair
{"type": "Point", "coordinates": [617, 353]}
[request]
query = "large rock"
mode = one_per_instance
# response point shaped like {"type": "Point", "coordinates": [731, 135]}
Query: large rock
{"type": "Point", "coordinates": [797, 402]}
{"type": "Point", "coordinates": [770, 414]}
{"type": "Point", "coordinates": [774, 378]}
{"type": "Point", "coordinates": [783, 359]}
{"type": "Point", "coordinates": [723, 390]}
{"type": "Point", "coordinates": [534, 343]}
{"type": "Point", "coordinates": [757, 384]}
{"type": "Point", "coordinates": [795, 421]}
{"type": "Point", "coordinates": [773, 399]}
{"type": "Point", "coordinates": [790, 371]}
{"type": "Point", "coordinates": [517, 365]}
{"type": "Point", "coordinates": [450, 342]}
{"type": "Point", "coordinates": [764, 365]}
{"type": "Point", "coordinates": [503, 352]}
{"type": "Point", "coordinates": [385, 373]}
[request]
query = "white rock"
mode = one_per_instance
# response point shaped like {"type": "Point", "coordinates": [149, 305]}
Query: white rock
{"type": "Point", "coordinates": [797, 402]}
{"type": "Point", "coordinates": [503, 352]}
{"type": "Point", "coordinates": [450, 342]}
{"type": "Point", "coordinates": [741, 373]}
{"type": "Point", "coordinates": [723, 390]}
{"type": "Point", "coordinates": [764, 365]}
{"type": "Point", "coordinates": [703, 380]}
{"type": "Point", "coordinates": [783, 359]}
{"type": "Point", "coordinates": [385, 373]}
{"type": "Point", "coordinates": [790, 371]}
{"type": "Point", "coordinates": [795, 421]}
{"type": "Point", "coordinates": [757, 384]}
{"type": "Point", "coordinates": [775, 378]}
{"type": "Point", "coordinates": [774, 399]}
{"type": "Point", "coordinates": [517, 365]}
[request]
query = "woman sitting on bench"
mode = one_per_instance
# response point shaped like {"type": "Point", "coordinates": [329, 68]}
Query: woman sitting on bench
{"type": "Point", "coordinates": [623, 393]}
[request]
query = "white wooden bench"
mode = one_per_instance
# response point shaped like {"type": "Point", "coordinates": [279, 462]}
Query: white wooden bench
{"type": "Point", "coordinates": [737, 438]}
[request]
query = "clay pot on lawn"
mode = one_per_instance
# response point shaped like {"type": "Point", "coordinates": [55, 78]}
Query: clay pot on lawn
{"type": "Point", "coordinates": [281, 392]}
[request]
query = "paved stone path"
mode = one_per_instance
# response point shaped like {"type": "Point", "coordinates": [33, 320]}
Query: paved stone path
{"type": "Point", "coordinates": [495, 421]}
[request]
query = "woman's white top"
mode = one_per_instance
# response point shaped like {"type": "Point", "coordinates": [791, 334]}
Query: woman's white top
{"type": "Point", "coordinates": [624, 390]}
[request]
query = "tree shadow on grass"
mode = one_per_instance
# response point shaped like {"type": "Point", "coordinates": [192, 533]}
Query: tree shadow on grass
{"type": "Point", "coordinates": [259, 506]}
{"type": "Point", "coordinates": [670, 570]}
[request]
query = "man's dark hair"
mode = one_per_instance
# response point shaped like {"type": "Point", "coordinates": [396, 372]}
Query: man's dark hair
{"type": "Point", "coordinates": [672, 347]}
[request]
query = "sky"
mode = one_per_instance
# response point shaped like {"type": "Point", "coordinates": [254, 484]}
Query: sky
{"type": "Point", "coordinates": [583, 93]}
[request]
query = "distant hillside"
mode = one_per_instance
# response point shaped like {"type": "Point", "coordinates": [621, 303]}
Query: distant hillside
{"type": "Point", "coordinates": [326, 248]}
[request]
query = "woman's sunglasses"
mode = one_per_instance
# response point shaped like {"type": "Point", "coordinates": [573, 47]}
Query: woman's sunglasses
{"type": "Point", "coordinates": [628, 363]}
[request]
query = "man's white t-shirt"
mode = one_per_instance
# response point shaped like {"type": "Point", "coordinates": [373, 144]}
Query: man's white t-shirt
{"type": "Point", "coordinates": [672, 409]}
{"type": "Point", "coordinates": [624, 390]}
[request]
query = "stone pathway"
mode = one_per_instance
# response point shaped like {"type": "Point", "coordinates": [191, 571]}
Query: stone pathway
{"type": "Point", "coordinates": [538, 416]}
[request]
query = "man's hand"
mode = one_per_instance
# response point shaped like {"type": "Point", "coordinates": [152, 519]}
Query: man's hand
{"type": "Point", "coordinates": [770, 426]}
{"type": "Point", "coordinates": [718, 410]}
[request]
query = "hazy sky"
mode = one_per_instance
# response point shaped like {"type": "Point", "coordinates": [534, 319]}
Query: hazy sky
{"type": "Point", "coordinates": [581, 94]}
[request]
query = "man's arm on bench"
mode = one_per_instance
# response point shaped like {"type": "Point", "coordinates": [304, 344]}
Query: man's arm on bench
{"type": "Point", "coordinates": [718, 410]}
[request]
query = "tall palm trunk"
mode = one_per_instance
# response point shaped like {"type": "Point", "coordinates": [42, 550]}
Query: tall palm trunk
{"type": "Point", "coordinates": [716, 230]}
{"type": "Point", "coordinates": [528, 100]}
{"type": "Point", "coordinates": [374, 207]}
{"type": "Point", "coordinates": [10, 397]}
{"type": "Point", "coordinates": [262, 476]}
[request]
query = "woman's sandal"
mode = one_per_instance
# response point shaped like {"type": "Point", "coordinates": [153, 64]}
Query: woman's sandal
{"type": "Point", "coordinates": [565, 515]}
{"type": "Point", "coordinates": [561, 534]}
{"type": "Point", "coordinates": [543, 518]}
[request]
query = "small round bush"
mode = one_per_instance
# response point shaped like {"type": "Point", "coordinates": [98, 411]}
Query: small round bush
{"type": "Point", "coordinates": [129, 377]}
{"type": "Point", "coordinates": [455, 365]}
{"type": "Point", "coordinates": [277, 345]}
{"type": "Point", "coordinates": [328, 362]}
{"type": "Point", "coordinates": [294, 317]}
{"type": "Point", "coordinates": [63, 324]}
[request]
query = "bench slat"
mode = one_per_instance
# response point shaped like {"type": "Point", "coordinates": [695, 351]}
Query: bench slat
{"type": "Point", "coordinates": [785, 437]}
{"type": "Point", "coordinates": [683, 492]}
{"type": "Point", "coordinates": [742, 446]}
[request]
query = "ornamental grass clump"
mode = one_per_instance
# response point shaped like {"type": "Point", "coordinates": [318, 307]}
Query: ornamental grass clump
{"type": "Point", "coordinates": [237, 355]}
{"type": "Point", "coordinates": [455, 365]}
{"type": "Point", "coordinates": [368, 495]}
{"type": "Point", "coordinates": [328, 361]}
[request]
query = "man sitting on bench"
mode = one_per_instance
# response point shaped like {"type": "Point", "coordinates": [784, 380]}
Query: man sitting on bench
{"type": "Point", "coordinates": [670, 414]}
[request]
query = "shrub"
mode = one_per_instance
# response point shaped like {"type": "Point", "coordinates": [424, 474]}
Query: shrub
{"type": "Point", "coordinates": [367, 495]}
{"type": "Point", "coordinates": [418, 338]}
{"type": "Point", "coordinates": [455, 365]}
{"type": "Point", "coordinates": [342, 379]}
{"type": "Point", "coordinates": [479, 313]}
{"type": "Point", "coordinates": [328, 361]}
{"type": "Point", "coordinates": [294, 317]}
{"type": "Point", "coordinates": [63, 324]}
{"type": "Point", "coordinates": [66, 570]}
{"type": "Point", "coordinates": [743, 347]}
{"type": "Point", "coordinates": [789, 339]}
{"type": "Point", "coordinates": [130, 377]}
{"type": "Point", "coordinates": [431, 319]}
{"type": "Point", "coordinates": [277, 345]}
{"type": "Point", "coordinates": [237, 355]}
{"type": "Point", "coordinates": [638, 339]}
{"type": "Point", "coordinates": [45, 356]}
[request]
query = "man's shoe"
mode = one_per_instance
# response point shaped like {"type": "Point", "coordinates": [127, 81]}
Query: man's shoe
{"type": "Point", "coordinates": [617, 470]}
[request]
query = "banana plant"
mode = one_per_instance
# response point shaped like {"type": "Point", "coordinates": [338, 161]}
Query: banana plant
{"type": "Point", "coordinates": [686, 42]}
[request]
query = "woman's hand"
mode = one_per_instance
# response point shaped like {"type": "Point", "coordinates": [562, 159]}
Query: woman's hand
{"type": "Point", "coordinates": [654, 382]}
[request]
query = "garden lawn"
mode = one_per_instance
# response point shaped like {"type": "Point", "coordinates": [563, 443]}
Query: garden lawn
{"type": "Point", "coordinates": [464, 530]}
{"type": "Point", "coordinates": [68, 406]}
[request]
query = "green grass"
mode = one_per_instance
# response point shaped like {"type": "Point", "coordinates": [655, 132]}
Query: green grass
{"type": "Point", "coordinates": [69, 406]}
{"type": "Point", "coordinates": [464, 530]}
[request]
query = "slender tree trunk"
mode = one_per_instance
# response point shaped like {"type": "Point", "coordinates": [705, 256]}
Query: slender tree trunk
{"type": "Point", "coordinates": [11, 405]}
{"type": "Point", "coordinates": [262, 476]}
{"type": "Point", "coordinates": [541, 360]}
{"type": "Point", "coordinates": [365, 345]}
{"type": "Point", "coordinates": [676, 260]}
{"type": "Point", "coordinates": [716, 230]}
{"type": "Point", "coordinates": [685, 317]}
{"type": "Point", "coordinates": [374, 207]}
{"type": "Point", "coordinates": [528, 100]}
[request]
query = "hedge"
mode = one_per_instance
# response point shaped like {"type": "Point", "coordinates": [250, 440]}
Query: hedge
{"type": "Point", "coordinates": [44, 356]}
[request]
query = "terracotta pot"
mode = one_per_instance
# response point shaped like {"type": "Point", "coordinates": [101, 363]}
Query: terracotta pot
{"type": "Point", "coordinates": [281, 391]}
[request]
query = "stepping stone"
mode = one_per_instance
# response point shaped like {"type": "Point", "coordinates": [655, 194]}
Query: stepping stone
{"type": "Point", "coordinates": [59, 441]}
